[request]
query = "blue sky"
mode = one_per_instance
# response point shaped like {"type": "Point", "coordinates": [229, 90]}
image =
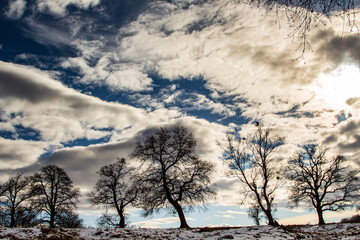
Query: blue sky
{"type": "Point", "coordinates": [79, 80]}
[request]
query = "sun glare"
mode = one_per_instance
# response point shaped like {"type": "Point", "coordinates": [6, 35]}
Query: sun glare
{"type": "Point", "coordinates": [334, 89]}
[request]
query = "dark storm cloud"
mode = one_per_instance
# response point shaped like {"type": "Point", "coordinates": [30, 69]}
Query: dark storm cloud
{"type": "Point", "coordinates": [353, 145]}
{"type": "Point", "coordinates": [17, 85]}
{"type": "Point", "coordinates": [226, 184]}
{"type": "Point", "coordinates": [351, 132]}
{"type": "Point", "coordinates": [19, 153]}
{"type": "Point", "coordinates": [83, 163]}
{"type": "Point", "coordinates": [330, 139]}
{"type": "Point", "coordinates": [338, 49]}
{"type": "Point", "coordinates": [350, 127]}
{"type": "Point", "coordinates": [27, 84]}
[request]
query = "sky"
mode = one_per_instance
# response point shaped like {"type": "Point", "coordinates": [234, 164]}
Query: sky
{"type": "Point", "coordinates": [80, 80]}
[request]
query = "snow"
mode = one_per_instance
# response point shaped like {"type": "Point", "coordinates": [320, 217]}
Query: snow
{"type": "Point", "coordinates": [350, 231]}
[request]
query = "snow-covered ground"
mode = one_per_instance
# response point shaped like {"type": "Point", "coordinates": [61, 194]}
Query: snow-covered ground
{"type": "Point", "coordinates": [330, 231]}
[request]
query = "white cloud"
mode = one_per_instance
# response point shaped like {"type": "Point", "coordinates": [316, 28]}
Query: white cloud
{"type": "Point", "coordinates": [225, 54]}
{"type": "Point", "coordinates": [16, 9]}
{"type": "Point", "coordinates": [59, 113]}
{"type": "Point", "coordinates": [59, 7]}
{"type": "Point", "coordinates": [201, 102]}
{"type": "Point", "coordinates": [107, 73]}
{"type": "Point", "coordinates": [216, 41]}
{"type": "Point", "coordinates": [129, 79]}
{"type": "Point", "coordinates": [233, 212]}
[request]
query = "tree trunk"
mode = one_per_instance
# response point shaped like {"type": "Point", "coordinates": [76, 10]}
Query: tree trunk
{"type": "Point", "coordinates": [183, 223]}
{"type": "Point", "coordinates": [52, 220]}
{"type": "Point", "coordinates": [12, 220]}
{"type": "Point", "coordinates": [320, 216]}
{"type": "Point", "coordinates": [271, 220]}
{"type": "Point", "coordinates": [122, 219]}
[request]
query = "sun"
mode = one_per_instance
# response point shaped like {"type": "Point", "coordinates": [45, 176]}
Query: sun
{"type": "Point", "coordinates": [334, 89]}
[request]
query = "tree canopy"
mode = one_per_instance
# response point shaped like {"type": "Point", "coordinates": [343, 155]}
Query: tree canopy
{"type": "Point", "coordinates": [253, 162]}
{"type": "Point", "coordinates": [173, 175]}
{"type": "Point", "coordinates": [326, 184]}
{"type": "Point", "coordinates": [116, 188]}
{"type": "Point", "coordinates": [55, 193]}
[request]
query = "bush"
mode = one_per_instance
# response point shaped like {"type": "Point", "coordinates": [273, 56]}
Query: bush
{"type": "Point", "coordinates": [353, 219]}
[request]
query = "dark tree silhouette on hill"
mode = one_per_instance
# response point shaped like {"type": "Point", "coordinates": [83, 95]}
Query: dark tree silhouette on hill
{"type": "Point", "coordinates": [326, 184]}
{"type": "Point", "coordinates": [68, 219]}
{"type": "Point", "coordinates": [14, 194]}
{"type": "Point", "coordinates": [55, 193]}
{"type": "Point", "coordinates": [116, 188]}
{"type": "Point", "coordinates": [254, 213]}
{"type": "Point", "coordinates": [253, 162]}
{"type": "Point", "coordinates": [173, 176]}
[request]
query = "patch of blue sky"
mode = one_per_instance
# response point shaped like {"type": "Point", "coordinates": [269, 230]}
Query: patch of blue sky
{"type": "Point", "coordinates": [14, 44]}
{"type": "Point", "coordinates": [205, 114]}
{"type": "Point", "coordinates": [84, 142]}
{"type": "Point", "coordinates": [237, 119]}
{"type": "Point", "coordinates": [342, 116]}
{"type": "Point", "coordinates": [47, 153]}
{"type": "Point", "coordinates": [189, 103]}
{"type": "Point", "coordinates": [23, 133]}
{"type": "Point", "coordinates": [162, 88]}
{"type": "Point", "coordinates": [214, 216]}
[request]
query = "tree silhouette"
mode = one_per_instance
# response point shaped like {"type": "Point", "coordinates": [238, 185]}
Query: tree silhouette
{"type": "Point", "coordinates": [323, 183]}
{"type": "Point", "coordinates": [173, 175]}
{"type": "Point", "coordinates": [68, 219]}
{"type": "Point", "coordinates": [254, 213]}
{"type": "Point", "coordinates": [14, 194]}
{"type": "Point", "coordinates": [55, 193]}
{"type": "Point", "coordinates": [116, 189]}
{"type": "Point", "coordinates": [251, 160]}
{"type": "Point", "coordinates": [109, 220]}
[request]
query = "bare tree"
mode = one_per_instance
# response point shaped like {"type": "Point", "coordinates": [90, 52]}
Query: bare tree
{"type": "Point", "coordinates": [254, 213]}
{"type": "Point", "coordinates": [322, 183]}
{"type": "Point", "coordinates": [15, 192]}
{"type": "Point", "coordinates": [109, 220]}
{"type": "Point", "coordinates": [173, 175]}
{"type": "Point", "coordinates": [115, 188]}
{"type": "Point", "coordinates": [69, 219]}
{"type": "Point", "coordinates": [25, 216]}
{"type": "Point", "coordinates": [253, 162]}
{"type": "Point", "coordinates": [55, 192]}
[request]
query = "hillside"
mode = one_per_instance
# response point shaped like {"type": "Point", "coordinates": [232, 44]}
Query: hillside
{"type": "Point", "coordinates": [329, 231]}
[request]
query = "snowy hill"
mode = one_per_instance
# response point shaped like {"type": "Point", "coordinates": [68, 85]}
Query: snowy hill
{"type": "Point", "coordinates": [330, 231]}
